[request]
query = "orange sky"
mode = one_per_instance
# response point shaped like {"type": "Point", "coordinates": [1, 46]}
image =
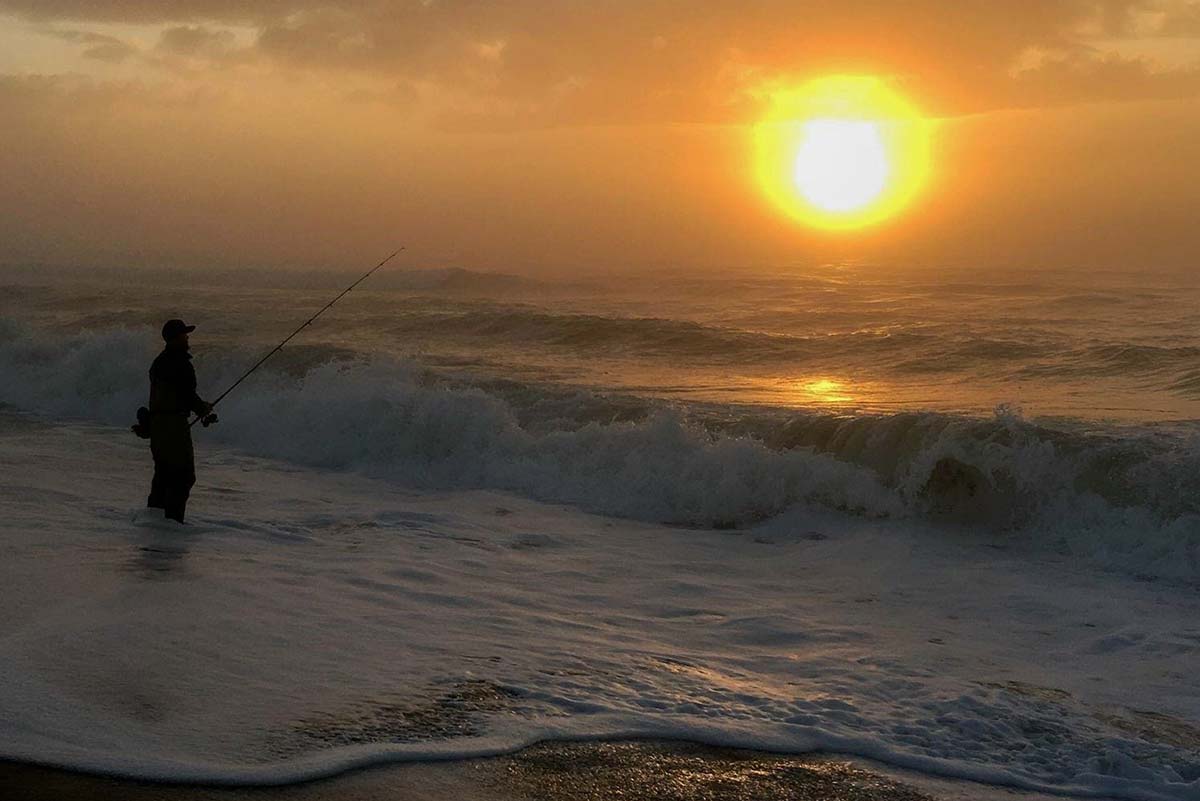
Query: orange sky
{"type": "Point", "coordinates": [581, 136]}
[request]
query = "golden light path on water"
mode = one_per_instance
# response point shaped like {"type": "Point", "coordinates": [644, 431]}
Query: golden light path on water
{"type": "Point", "coordinates": [841, 152]}
{"type": "Point", "coordinates": [826, 391]}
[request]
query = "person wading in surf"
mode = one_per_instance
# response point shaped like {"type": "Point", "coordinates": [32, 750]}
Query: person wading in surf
{"type": "Point", "coordinates": [172, 398]}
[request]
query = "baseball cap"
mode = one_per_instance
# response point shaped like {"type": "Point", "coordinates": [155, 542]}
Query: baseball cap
{"type": "Point", "coordinates": [173, 328]}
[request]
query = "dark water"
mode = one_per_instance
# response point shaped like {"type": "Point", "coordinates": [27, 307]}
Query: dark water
{"type": "Point", "coordinates": [1091, 346]}
{"type": "Point", "coordinates": [1062, 404]}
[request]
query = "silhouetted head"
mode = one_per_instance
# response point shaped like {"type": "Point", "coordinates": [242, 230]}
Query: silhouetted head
{"type": "Point", "coordinates": [175, 332]}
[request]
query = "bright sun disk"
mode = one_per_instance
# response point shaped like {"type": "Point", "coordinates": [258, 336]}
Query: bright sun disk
{"type": "Point", "coordinates": [841, 152]}
{"type": "Point", "coordinates": [841, 165]}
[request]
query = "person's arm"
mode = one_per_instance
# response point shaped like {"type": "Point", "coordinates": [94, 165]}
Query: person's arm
{"type": "Point", "coordinates": [195, 403]}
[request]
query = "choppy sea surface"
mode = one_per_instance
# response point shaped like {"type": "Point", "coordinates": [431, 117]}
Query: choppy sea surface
{"type": "Point", "coordinates": [1064, 405]}
{"type": "Point", "coordinates": [835, 508]}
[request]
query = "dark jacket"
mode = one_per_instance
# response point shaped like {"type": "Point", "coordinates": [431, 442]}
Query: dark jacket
{"type": "Point", "coordinates": [173, 384]}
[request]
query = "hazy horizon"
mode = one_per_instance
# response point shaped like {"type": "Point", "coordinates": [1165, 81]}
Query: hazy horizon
{"type": "Point", "coordinates": [547, 138]}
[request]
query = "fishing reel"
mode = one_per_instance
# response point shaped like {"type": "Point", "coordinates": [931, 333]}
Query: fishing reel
{"type": "Point", "coordinates": [142, 426]}
{"type": "Point", "coordinates": [208, 419]}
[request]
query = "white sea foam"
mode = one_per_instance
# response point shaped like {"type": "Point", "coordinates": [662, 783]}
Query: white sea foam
{"type": "Point", "coordinates": [371, 574]}
{"type": "Point", "coordinates": [309, 621]}
{"type": "Point", "coordinates": [1124, 499]}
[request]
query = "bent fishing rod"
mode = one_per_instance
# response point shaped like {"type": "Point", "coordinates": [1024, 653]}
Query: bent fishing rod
{"type": "Point", "coordinates": [279, 347]}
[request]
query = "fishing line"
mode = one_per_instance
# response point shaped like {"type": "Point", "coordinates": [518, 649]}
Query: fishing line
{"type": "Point", "coordinates": [287, 339]}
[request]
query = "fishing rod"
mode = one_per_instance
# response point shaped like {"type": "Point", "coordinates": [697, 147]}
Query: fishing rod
{"type": "Point", "coordinates": [279, 347]}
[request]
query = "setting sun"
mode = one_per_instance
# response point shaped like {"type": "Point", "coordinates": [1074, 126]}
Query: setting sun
{"type": "Point", "coordinates": [841, 152]}
{"type": "Point", "coordinates": [841, 166]}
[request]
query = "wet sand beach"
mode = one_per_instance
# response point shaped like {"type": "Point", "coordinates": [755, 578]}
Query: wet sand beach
{"type": "Point", "coordinates": [635, 770]}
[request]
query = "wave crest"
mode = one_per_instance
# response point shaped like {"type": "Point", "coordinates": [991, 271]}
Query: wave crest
{"type": "Point", "coordinates": [1129, 499]}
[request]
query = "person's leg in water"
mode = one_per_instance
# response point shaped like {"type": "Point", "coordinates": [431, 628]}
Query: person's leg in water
{"type": "Point", "coordinates": [158, 488]}
{"type": "Point", "coordinates": [178, 488]}
{"type": "Point", "coordinates": [174, 465]}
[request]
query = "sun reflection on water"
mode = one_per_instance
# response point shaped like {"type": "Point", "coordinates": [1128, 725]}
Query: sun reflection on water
{"type": "Point", "coordinates": [826, 390]}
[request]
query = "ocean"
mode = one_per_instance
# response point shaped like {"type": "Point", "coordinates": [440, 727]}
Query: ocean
{"type": "Point", "coordinates": [945, 519]}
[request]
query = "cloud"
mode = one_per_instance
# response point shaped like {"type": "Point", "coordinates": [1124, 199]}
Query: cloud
{"type": "Point", "coordinates": [1087, 77]}
{"type": "Point", "coordinates": [157, 11]}
{"type": "Point", "coordinates": [547, 62]}
{"type": "Point", "coordinates": [195, 40]}
{"type": "Point", "coordinates": [98, 46]}
{"type": "Point", "coordinates": [1182, 20]}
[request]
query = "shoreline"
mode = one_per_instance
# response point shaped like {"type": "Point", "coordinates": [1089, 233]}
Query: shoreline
{"type": "Point", "coordinates": [311, 620]}
{"type": "Point", "coordinates": [645, 770]}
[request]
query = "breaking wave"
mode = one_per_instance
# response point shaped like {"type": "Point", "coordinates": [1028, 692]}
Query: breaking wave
{"type": "Point", "coordinates": [1128, 499]}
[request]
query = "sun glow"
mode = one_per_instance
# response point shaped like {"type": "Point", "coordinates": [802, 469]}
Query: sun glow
{"type": "Point", "coordinates": [841, 152]}
{"type": "Point", "coordinates": [826, 390]}
{"type": "Point", "coordinates": [841, 166]}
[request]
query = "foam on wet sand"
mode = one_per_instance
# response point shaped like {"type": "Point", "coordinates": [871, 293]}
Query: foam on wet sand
{"type": "Point", "coordinates": [311, 622]}
{"type": "Point", "coordinates": [642, 770]}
